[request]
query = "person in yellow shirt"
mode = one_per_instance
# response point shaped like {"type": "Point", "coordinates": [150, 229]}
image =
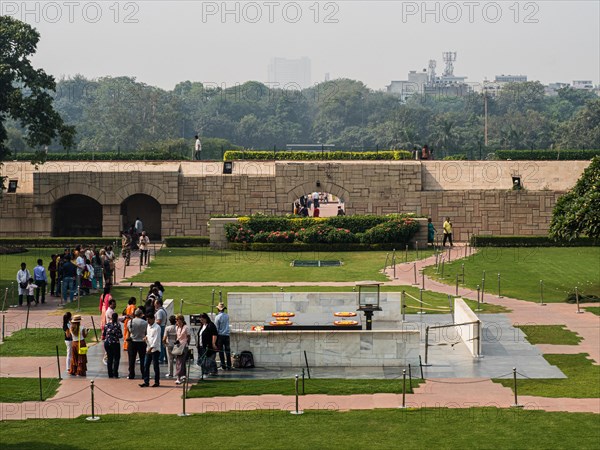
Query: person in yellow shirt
{"type": "Point", "coordinates": [447, 232]}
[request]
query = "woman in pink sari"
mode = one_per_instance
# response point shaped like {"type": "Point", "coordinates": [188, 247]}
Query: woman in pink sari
{"type": "Point", "coordinates": [105, 298]}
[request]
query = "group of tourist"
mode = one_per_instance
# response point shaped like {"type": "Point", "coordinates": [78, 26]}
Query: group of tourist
{"type": "Point", "coordinates": [307, 203]}
{"type": "Point", "coordinates": [150, 338]}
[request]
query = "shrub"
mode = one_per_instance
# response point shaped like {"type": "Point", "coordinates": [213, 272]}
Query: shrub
{"type": "Point", "coordinates": [528, 241]}
{"type": "Point", "coordinates": [341, 236]}
{"type": "Point", "coordinates": [101, 156]}
{"type": "Point", "coordinates": [187, 241]}
{"type": "Point", "coordinates": [395, 155]}
{"type": "Point", "coordinates": [301, 247]}
{"type": "Point", "coordinates": [238, 233]}
{"type": "Point", "coordinates": [315, 234]}
{"type": "Point", "coordinates": [547, 155]}
{"type": "Point", "coordinates": [278, 237]}
{"type": "Point", "coordinates": [396, 230]}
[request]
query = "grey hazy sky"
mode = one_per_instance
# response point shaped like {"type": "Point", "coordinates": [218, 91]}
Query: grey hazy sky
{"type": "Point", "coordinates": [163, 42]}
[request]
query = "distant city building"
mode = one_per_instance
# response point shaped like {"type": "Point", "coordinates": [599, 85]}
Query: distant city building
{"type": "Point", "coordinates": [552, 89]}
{"type": "Point", "coordinates": [588, 85]}
{"type": "Point", "coordinates": [428, 83]}
{"type": "Point", "coordinates": [510, 78]}
{"type": "Point", "coordinates": [290, 73]}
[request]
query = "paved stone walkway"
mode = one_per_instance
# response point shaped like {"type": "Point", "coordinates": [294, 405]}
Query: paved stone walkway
{"type": "Point", "coordinates": [124, 396]}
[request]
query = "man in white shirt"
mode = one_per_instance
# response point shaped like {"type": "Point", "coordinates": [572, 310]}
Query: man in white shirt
{"type": "Point", "coordinates": [23, 277]}
{"type": "Point", "coordinates": [315, 196]}
{"type": "Point", "coordinates": [152, 339]}
{"type": "Point", "coordinates": [197, 149]}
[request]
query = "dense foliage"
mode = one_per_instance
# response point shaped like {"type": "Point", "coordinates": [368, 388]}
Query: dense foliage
{"type": "Point", "coordinates": [393, 228]}
{"type": "Point", "coordinates": [577, 213]}
{"type": "Point", "coordinates": [113, 113]}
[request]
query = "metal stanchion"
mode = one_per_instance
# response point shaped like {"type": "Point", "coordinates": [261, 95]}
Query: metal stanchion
{"type": "Point", "coordinates": [463, 274]}
{"type": "Point", "coordinates": [212, 302]}
{"type": "Point", "coordinates": [94, 327]}
{"type": "Point", "coordinates": [516, 405]}
{"type": "Point", "coordinates": [499, 296]}
{"type": "Point", "coordinates": [423, 279]}
{"type": "Point", "coordinates": [220, 297]}
{"type": "Point", "coordinates": [14, 299]}
{"type": "Point", "coordinates": [421, 300]}
{"type": "Point", "coordinates": [451, 306]}
{"type": "Point", "coordinates": [394, 266]}
{"type": "Point", "coordinates": [27, 318]}
{"type": "Point", "coordinates": [402, 308]}
{"type": "Point", "coordinates": [417, 249]}
{"type": "Point", "coordinates": [579, 311]}
{"type": "Point", "coordinates": [4, 326]}
{"type": "Point", "coordinates": [409, 377]}
{"type": "Point", "coordinates": [442, 268]}
{"type": "Point", "coordinates": [181, 306]}
{"type": "Point", "coordinates": [449, 254]}
{"type": "Point", "coordinates": [421, 367]}
{"type": "Point", "coordinates": [297, 412]}
{"type": "Point", "coordinates": [4, 301]}
{"type": "Point", "coordinates": [78, 299]}
{"type": "Point", "coordinates": [542, 293]}
{"type": "Point", "coordinates": [406, 254]}
{"type": "Point", "coordinates": [58, 364]}
{"type": "Point", "coordinates": [478, 300]}
{"type": "Point", "coordinates": [303, 393]}
{"type": "Point", "coordinates": [141, 296]}
{"type": "Point", "coordinates": [456, 285]}
{"type": "Point", "coordinates": [306, 362]}
{"type": "Point", "coordinates": [482, 289]}
{"type": "Point", "coordinates": [94, 416]}
{"type": "Point", "coordinates": [403, 389]}
{"type": "Point", "coordinates": [40, 378]}
{"type": "Point", "coordinates": [415, 273]}
{"type": "Point", "coordinates": [183, 413]}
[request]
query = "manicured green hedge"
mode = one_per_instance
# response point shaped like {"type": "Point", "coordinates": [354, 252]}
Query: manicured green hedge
{"type": "Point", "coordinates": [187, 241]}
{"type": "Point", "coordinates": [49, 242]}
{"type": "Point", "coordinates": [232, 155]}
{"type": "Point", "coordinates": [547, 155]}
{"type": "Point", "coordinates": [300, 247]}
{"type": "Point", "coordinates": [528, 241]}
{"type": "Point", "coordinates": [101, 156]}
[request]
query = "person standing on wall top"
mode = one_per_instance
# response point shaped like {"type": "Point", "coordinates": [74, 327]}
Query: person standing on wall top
{"type": "Point", "coordinates": [447, 232]}
{"type": "Point", "coordinates": [197, 149]}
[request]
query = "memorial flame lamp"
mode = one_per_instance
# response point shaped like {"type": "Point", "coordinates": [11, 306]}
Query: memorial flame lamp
{"type": "Point", "coordinates": [368, 299]}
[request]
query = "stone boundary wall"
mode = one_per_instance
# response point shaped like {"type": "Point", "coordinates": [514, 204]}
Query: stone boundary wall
{"type": "Point", "coordinates": [470, 334]}
{"type": "Point", "coordinates": [476, 195]}
{"type": "Point", "coordinates": [335, 348]}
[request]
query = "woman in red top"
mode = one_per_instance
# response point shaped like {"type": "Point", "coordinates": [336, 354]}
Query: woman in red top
{"type": "Point", "coordinates": [104, 299]}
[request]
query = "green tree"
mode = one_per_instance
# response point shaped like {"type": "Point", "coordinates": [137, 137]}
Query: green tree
{"type": "Point", "coordinates": [577, 213]}
{"type": "Point", "coordinates": [25, 92]}
{"type": "Point", "coordinates": [583, 130]}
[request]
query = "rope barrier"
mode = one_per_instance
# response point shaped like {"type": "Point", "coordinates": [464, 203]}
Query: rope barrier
{"type": "Point", "coordinates": [136, 401]}
{"type": "Point", "coordinates": [466, 382]}
{"type": "Point", "coordinates": [67, 396]}
{"type": "Point", "coordinates": [27, 371]}
{"type": "Point", "coordinates": [425, 303]}
{"type": "Point", "coordinates": [427, 309]}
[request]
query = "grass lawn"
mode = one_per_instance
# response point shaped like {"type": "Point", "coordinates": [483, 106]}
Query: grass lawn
{"type": "Point", "coordinates": [16, 390]}
{"type": "Point", "coordinates": [199, 299]}
{"type": "Point", "coordinates": [550, 334]}
{"type": "Point", "coordinates": [329, 386]}
{"type": "Point", "coordinates": [33, 342]}
{"type": "Point", "coordinates": [593, 309]}
{"type": "Point", "coordinates": [11, 264]}
{"type": "Point", "coordinates": [582, 382]}
{"type": "Point", "coordinates": [521, 270]}
{"type": "Point", "coordinates": [205, 264]}
{"type": "Point", "coordinates": [325, 429]}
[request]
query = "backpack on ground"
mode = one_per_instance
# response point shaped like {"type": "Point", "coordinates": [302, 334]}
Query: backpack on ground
{"type": "Point", "coordinates": [246, 360]}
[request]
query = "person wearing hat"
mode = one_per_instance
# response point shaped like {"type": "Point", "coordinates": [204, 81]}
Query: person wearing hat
{"type": "Point", "coordinates": [223, 342]}
{"type": "Point", "coordinates": [78, 334]}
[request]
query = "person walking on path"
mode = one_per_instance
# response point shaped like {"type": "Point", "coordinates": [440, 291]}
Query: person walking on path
{"type": "Point", "coordinates": [68, 338]}
{"type": "Point", "coordinates": [111, 335]}
{"type": "Point", "coordinates": [152, 352]}
{"type": "Point", "coordinates": [169, 338]}
{"type": "Point", "coordinates": [161, 321]}
{"type": "Point", "coordinates": [23, 277]}
{"type": "Point", "coordinates": [223, 339]}
{"type": "Point", "coordinates": [183, 338]}
{"type": "Point", "coordinates": [137, 346]}
{"type": "Point", "coordinates": [52, 269]}
{"type": "Point", "coordinates": [143, 244]}
{"type": "Point", "coordinates": [41, 280]}
{"type": "Point", "coordinates": [447, 232]}
{"type": "Point", "coordinates": [69, 272]}
{"type": "Point", "coordinates": [78, 334]}
{"type": "Point", "coordinates": [206, 343]}
{"type": "Point", "coordinates": [31, 288]}
{"type": "Point", "coordinates": [197, 149]}
{"type": "Point", "coordinates": [430, 232]}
